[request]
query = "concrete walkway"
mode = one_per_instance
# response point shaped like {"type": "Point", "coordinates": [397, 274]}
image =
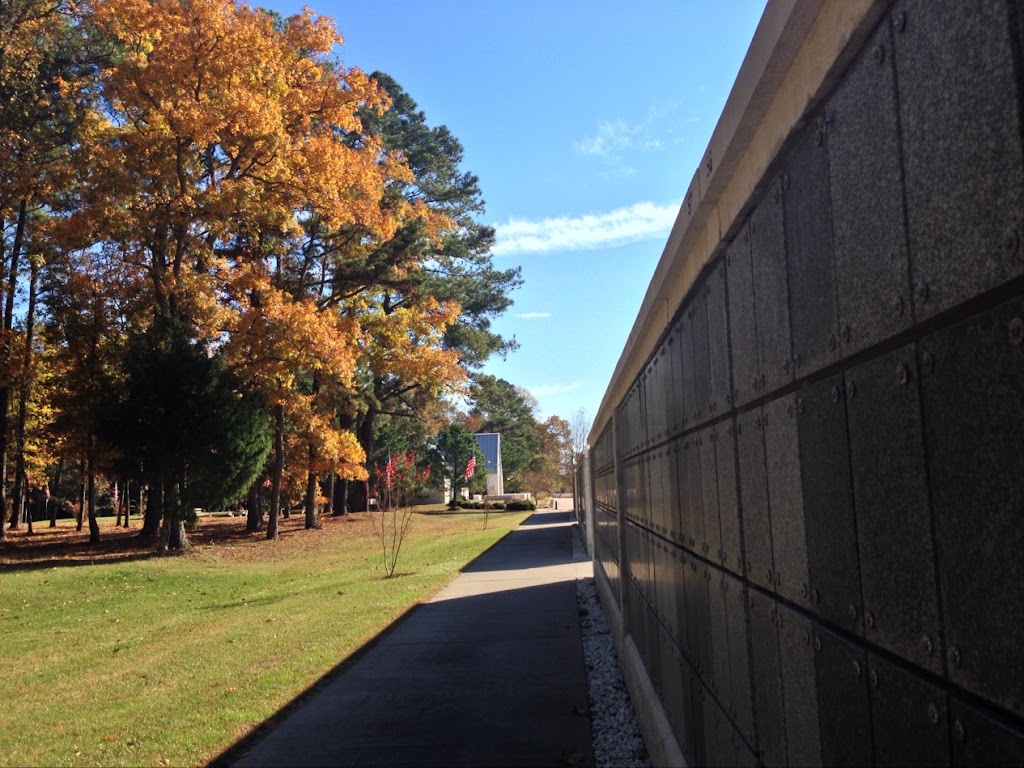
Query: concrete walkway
{"type": "Point", "coordinates": [488, 673]}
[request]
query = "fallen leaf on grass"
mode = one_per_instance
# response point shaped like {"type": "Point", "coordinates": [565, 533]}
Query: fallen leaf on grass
{"type": "Point", "coordinates": [229, 690]}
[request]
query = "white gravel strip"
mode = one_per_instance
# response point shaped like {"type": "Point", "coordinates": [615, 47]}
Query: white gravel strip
{"type": "Point", "coordinates": [617, 739]}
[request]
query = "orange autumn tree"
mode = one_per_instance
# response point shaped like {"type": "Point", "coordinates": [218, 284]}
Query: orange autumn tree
{"type": "Point", "coordinates": [223, 129]}
{"type": "Point", "coordinates": [44, 80]}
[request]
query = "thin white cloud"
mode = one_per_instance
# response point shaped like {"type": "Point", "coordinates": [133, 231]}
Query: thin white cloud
{"type": "Point", "coordinates": [614, 135]}
{"type": "Point", "coordinates": [546, 390]}
{"type": "Point", "coordinates": [640, 221]}
{"type": "Point", "coordinates": [533, 315]}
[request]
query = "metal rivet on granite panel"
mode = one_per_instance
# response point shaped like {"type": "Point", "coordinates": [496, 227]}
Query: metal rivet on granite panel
{"type": "Point", "coordinates": [778, 579]}
{"type": "Point", "coordinates": [927, 362]}
{"type": "Point", "coordinates": [803, 590]}
{"type": "Point", "coordinates": [817, 644]}
{"type": "Point", "coordinates": [878, 54]}
{"type": "Point", "coordinates": [852, 610]}
{"type": "Point", "coordinates": [873, 678]}
{"type": "Point", "coordinates": [869, 619]}
{"type": "Point", "coordinates": [785, 365]}
{"type": "Point", "coordinates": [847, 333]}
{"type": "Point", "coordinates": [902, 374]}
{"type": "Point", "coordinates": [927, 645]}
{"type": "Point", "coordinates": [832, 343]}
{"type": "Point", "coordinates": [776, 197]}
{"type": "Point", "coordinates": [815, 596]}
{"type": "Point", "coordinates": [835, 394]}
{"type": "Point", "coordinates": [851, 390]}
{"type": "Point", "coordinates": [921, 291]}
{"type": "Point", "coordinates": [1011, 242]}
{"type": "Point", "coordinates": [959, 730]}
{"type": "Point", "coordinates": [933, 714]}
{"type": "Point", "coordinates": [1016, 331]}
{"type": "Point", "coordinates": [785, 181]}
{"type": "Point", "coordinates": [900, 22]}
{"type": "Point", "coordinates": [807, 637]}
{"type": "Point", "coordinates": [954, 656]}
{"type": "Point", "coordinates": [799, 405]}
{"type": "Point", "coordinates": [898, 306]}
{"type": "Point", "coordinates": [857, 671]}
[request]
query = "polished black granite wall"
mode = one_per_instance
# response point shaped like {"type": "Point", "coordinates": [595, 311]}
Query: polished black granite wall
{"type": "Point", "coordinates": [812, 500]}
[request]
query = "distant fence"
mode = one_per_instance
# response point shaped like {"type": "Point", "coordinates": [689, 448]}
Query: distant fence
{"type": "Point", "coordinates": [807, 474]}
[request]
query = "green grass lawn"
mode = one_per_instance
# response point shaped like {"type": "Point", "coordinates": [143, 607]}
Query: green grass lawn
{"type": "Point", "coordinates": [140, 660]}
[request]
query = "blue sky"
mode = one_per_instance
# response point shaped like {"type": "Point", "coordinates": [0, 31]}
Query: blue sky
{"type": "Point", "coordinates": [585, 122]}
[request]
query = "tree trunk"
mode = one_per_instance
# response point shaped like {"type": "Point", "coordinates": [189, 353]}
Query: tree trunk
{"type": "Point", "coordinates": [312, 522]}
{"type": "Point", "coordinates": [275, 490]}
{"type": "Point", "coordinates": [20, 478]}
{"type": "Point", "coordinates": [329, 496]}
{"type": "Point", "coordinates": [5, 357]}
{"type": "Point", "coordinates": [254, 520]}
{"type": "Point", "coordinates": [94, 527]}
{"type": "Point", "coordinates": [81, 495]}
{"type": "Point", "coordinates": [154, 510]}
{"type": "Point", "coordinates": [173, 536]}
{"type": "Point", "coordinates": [28, 507]}
{"type": "Point", "coordinates": [341, 504]}
{"type": "Point", "coordinates": [117, 510]}
{"type": "Point", "coordinates": [127, 501]}
{"type": "Point", "coordinates": [51, 504]}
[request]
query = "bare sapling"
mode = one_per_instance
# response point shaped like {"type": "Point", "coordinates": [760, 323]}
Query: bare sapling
{"type": "Point", "coordinates": [397, 482]}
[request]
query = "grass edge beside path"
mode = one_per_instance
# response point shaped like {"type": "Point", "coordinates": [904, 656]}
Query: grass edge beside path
{"type": "Point", "coordinates": [169, 661]}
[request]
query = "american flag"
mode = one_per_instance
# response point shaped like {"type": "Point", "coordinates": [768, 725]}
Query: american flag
{"type": "Point", "coordinates": [471, 467]}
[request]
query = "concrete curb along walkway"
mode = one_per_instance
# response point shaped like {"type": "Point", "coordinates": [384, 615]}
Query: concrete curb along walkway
{"type": "Point", "coordinates": [489, 672]}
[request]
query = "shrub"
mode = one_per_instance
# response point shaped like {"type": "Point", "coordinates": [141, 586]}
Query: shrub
{"type": "Point", "coordinates": [521, 505]}
{"type": "Point", "coordinates": [497, 505]}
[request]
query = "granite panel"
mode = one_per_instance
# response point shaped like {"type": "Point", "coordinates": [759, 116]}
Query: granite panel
{"type": "Point", "coordinates": [897, 557]}
{"type": "Point", "coordinates": [720, 391]}
{"type": "Point", "coordinates": [866, 176]}
{"type": "Point", "coordinates": [766, 675]}
{"type": "Point", "coordinates": [699, 616]}
{"type": "Point", "coordinates": [739, 701]}
{"type": "Point", "coordinates": [728, 500]}
{"type": "Point", "coordinates": [673, 694]}
{"type": "Point", "coordinates": [844, 709]}
{"type": "Point", "coordinates": [701, 356]}
{"type": "Point", "coordinates": [771, 292]}
{"type": "Point", "coordinates": [719, 679]}
{"type": "Point", "coordinates": [974, 416]}
{"type": "Point", "coordinates": [686, 366]}
{"type": "Point", "coordinates": [712, 757]}
{"type": "Point", "coordinates": [709, 494]}
{"type": "Point", "coordinates": [909, 717]}
{"type": "Point", "coordinates": [811, 268]}
{"type": "Point", "coordinates": [693, 503]}
{"type": "Point", "coordinates": [742, 336]}
{"type": "Point", "coordinates": [961, 127]}
{"type": "Point", "coordinates": [754, 513]}
{"type": "Point", "coordinates": [785, 499]}
{"type": "Point", "coordinates": [831, 528]}
{"type": "Point", "coordinates": [799, 688]}
{"type": "Point", "coordinates": [676, 406]}
{"type": "Point", "coordinates": [981, 740]}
